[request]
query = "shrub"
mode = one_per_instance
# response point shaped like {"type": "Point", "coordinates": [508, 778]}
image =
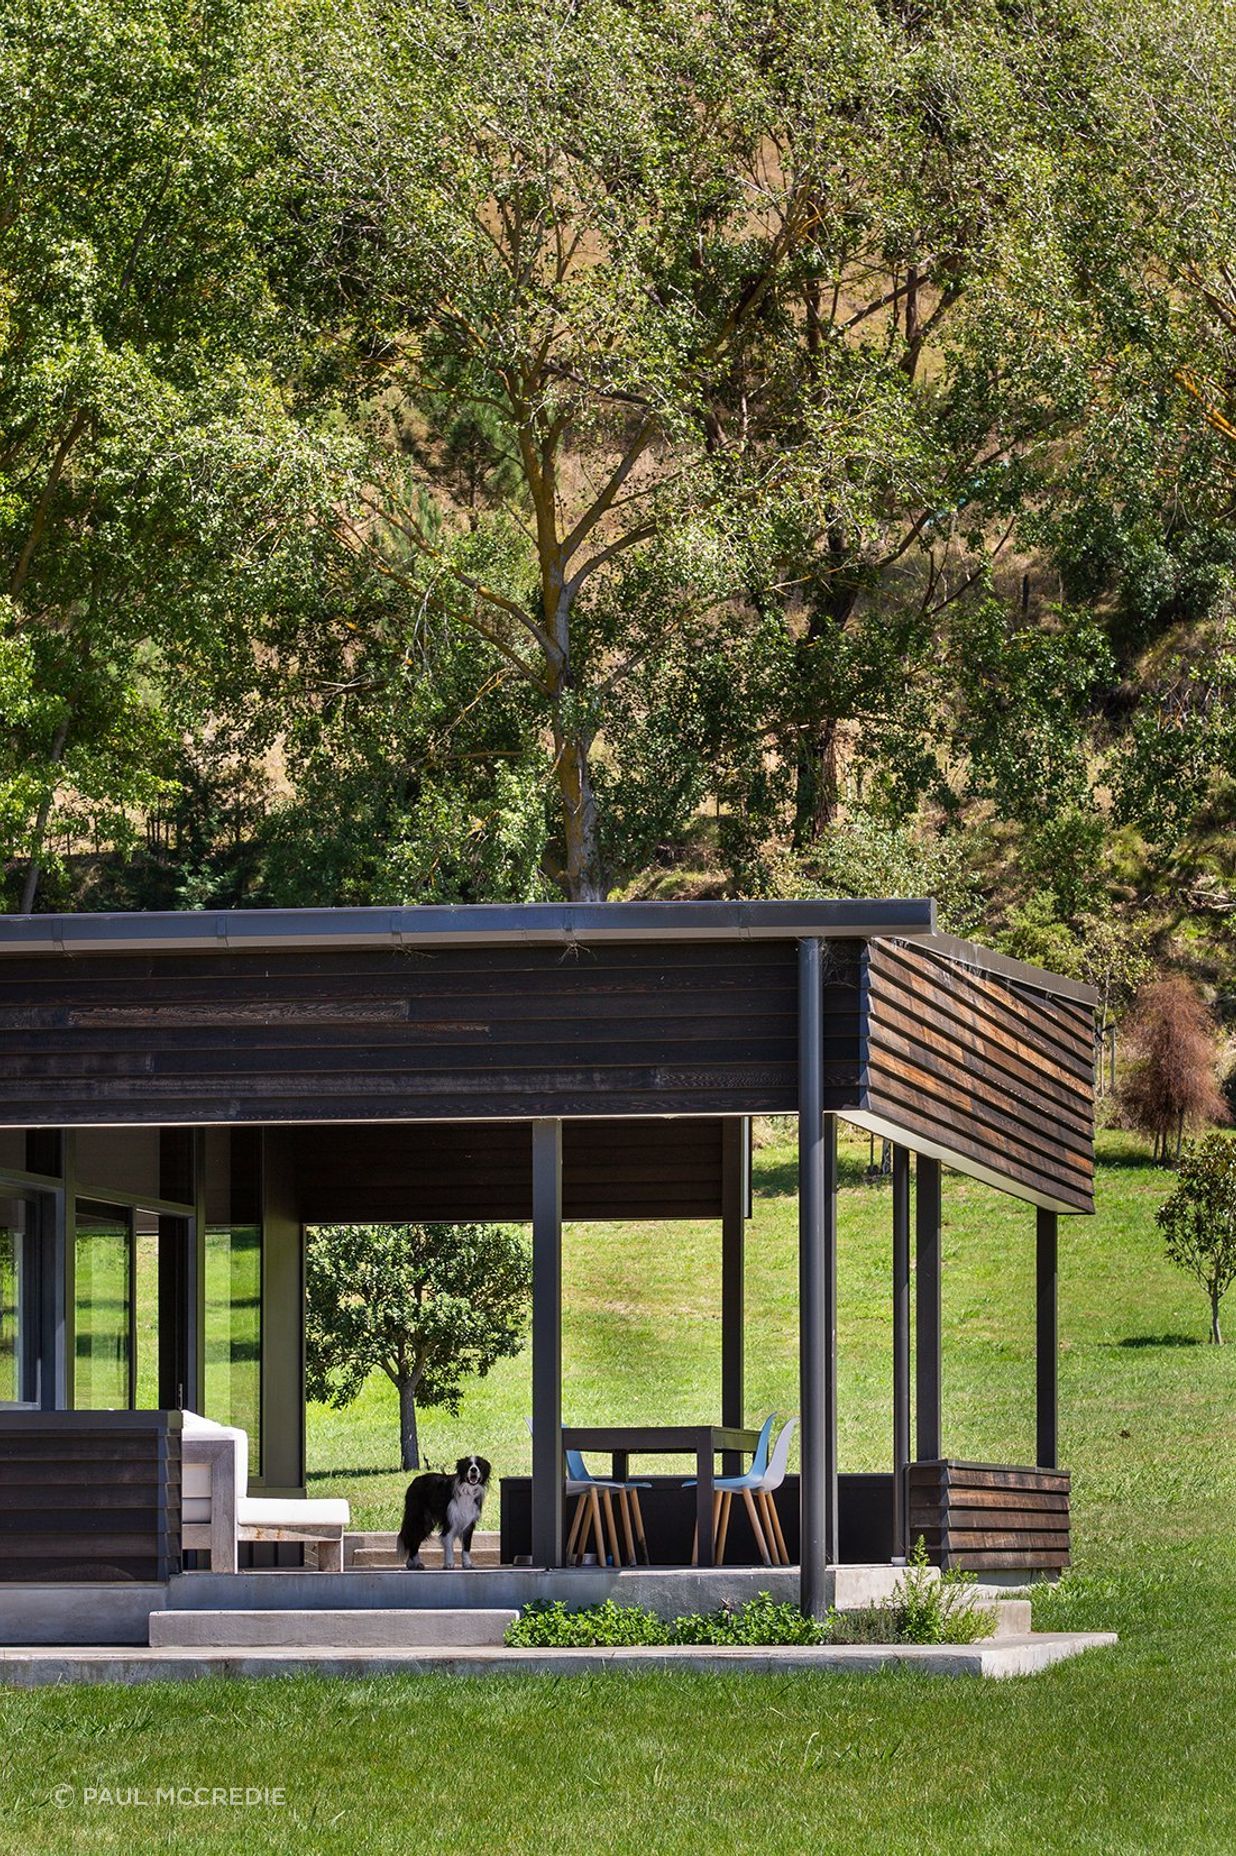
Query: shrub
{"type": "Point", "coordinates": [937, 1610]}
{"type": "Point", "coordinates": [761, 1620]}
{"type": "Point", "coordinates": [1170, 1084]}
{"type": "Point", "coordinates": [1199, 1220]}
{"type": "Point", "coordinates": [550, 1626]}
{"type": "Point", "coordinates": [922, 1609]}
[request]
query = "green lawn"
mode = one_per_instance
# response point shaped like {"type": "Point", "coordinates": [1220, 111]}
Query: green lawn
{"type": "Point", "coordinates": [1123, 1751]}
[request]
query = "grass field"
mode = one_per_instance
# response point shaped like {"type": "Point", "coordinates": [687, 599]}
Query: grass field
{"type": "Point", "coordinates": [1124, 1751]}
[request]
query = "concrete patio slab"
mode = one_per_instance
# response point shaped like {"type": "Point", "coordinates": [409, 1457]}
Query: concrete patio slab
{"type": "Point", "coordinates": [1010, 1656]}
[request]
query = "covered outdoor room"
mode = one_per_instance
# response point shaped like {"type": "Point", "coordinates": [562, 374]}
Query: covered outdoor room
{"type": "Point", "coordinates": [181, 1096]}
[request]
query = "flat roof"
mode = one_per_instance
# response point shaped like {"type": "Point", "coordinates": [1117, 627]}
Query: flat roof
{"type": "Point", "coordinates": [533, 924]}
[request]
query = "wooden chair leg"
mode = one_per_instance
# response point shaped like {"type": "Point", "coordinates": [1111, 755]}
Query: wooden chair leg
{"type": "Point", "coordinates": [775, 1519]}
{"type": "Point", "coordinates": [756, 1529]}
{"type": "Point", "coordinates": [641, 1541]}
{"type": "Point", "coordinates": [594, 1516]}
{"type": "Point", "coordinates": [624, 1510]}
{"type": "Point", "coordinates": [611, 1527]}
{"type": "Point", "coordinates": [727, 1498]}
{"type": "Point", "coordinates": [581, 1503]}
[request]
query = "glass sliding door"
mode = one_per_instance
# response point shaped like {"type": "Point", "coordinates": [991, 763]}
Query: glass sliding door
{"type": "Point", "coordinates": [234, 1330]}
{"type": "Point", "coordinates": [18, 1303]}
{"type": "Point", "coordinates": [104, 1309]}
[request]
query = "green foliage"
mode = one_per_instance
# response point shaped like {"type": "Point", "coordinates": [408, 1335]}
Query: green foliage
{"type": "Point", "coordinates": [548, 1624]}
{"type": "Point", "coordinates": [862, 854]}
{"type": "Point", "coordinates": [760, 1620]}
{"type": "Point", "coordinates": [931, 1608]}
{"type": "Point", "coordinates": [1198, 1221]}
{"type": "Point", "coordinates": [924, 1609]}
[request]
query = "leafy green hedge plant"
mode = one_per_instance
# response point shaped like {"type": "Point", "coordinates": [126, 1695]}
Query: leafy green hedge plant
{"type": "Point", "coordinates": [922, 1609]}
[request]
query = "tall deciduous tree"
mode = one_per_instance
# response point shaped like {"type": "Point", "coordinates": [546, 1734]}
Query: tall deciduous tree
{"type": "Point", "coordinates": [806, 313]}
{"type": "Point", "coordinates": [428, 1305]}
{"type": "Point", "coordinates": [149, 470]}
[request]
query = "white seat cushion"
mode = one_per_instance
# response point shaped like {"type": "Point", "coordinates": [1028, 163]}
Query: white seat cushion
{"type": "Point", "coordinates": [287, 1511]}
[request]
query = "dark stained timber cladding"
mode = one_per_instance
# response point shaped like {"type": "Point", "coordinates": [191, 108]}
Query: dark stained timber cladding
{"type": "Point", "coordinates": [477, 1170]}
{"type": "Point", "coordinates": [984, 1517]}
{"type": "Point", "coordinates": [89, 1497]}
{"type": "Point", "coordinates": [992, 1071]}
{"type": "Point", "coordinates": [453, 1033]}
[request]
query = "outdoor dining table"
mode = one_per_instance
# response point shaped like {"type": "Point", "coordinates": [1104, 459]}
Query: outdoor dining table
{"type": "Point", "coordinates": [705, 1442]}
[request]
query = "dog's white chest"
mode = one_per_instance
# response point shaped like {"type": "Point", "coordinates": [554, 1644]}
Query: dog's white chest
{"type": "Point", "coordinates": [464, 1508]}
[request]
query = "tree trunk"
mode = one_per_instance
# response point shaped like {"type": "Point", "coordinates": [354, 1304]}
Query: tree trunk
{"type": "Point", "coordinates": [584, 881]}
{"type": "Point", "coordinates": [815, 796]}
{"type": "Point", "coordinates": [30, 888]}
{"type": "Point", "coordinates": [409, 1443]}
{"type": "Point", "coordinates": [1216, 1333]}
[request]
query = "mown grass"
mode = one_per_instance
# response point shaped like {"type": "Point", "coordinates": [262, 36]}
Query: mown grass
{"type": "Point", "coordinates": [1121, 1752]}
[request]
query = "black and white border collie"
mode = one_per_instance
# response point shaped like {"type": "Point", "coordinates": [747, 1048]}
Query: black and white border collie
{"type": "Point", "coordinates": [448, 1505]}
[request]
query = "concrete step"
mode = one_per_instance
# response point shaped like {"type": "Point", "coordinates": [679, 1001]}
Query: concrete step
{"type": "Point", "coordinates": [377, 1552]}
{"type": "Point", "coordinates": [327, 1630]}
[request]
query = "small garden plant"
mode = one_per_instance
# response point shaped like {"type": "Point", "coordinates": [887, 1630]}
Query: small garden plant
{"type": "Point", "coordinates": [923, 1608]}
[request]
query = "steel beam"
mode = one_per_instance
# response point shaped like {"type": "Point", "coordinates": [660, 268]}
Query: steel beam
{"type": "Point", "coordinates": [817, 1267]}
{"type": "Point", "coordinates": [927, 1312]}
{"type": "Point", "coordinates": [901, 1350]}
{"type": "Point", "coordinates": [547, 1343]}
{"type": "Point", "coordinates": [1046, 1338]}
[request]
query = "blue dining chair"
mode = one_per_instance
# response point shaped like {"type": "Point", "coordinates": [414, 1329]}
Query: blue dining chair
{"type": "Point", "coordinates": [725, 1486]}
{"type": "Point", "coordinates": [594, 1493]}
{"type": "Point", "coordinates": [591, 1494]}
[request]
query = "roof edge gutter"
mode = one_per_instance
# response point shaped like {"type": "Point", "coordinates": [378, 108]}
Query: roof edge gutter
{"type": "Point", "coordinates": [488, 924]}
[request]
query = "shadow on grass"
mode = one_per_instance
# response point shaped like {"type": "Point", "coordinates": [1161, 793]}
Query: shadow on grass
{"type": "Point", "coordinates": [1159, 1340]}
{"type": "Point", "coordinates": [779, 1178]}
{"type": "Point", "coordinates": [333, 1475]}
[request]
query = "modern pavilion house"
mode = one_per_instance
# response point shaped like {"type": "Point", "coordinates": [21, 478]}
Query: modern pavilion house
{"type": "Point", "coordinates": [206, 1085]}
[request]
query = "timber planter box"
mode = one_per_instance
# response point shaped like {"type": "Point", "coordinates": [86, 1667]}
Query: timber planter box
{"type": "Point", "coordinates": [986, 1517]}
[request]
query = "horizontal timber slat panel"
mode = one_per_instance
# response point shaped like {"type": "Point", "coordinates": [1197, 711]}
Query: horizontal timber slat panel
{"type": "Point", "coordinates": [1033, 1559]}
{"type": "Point", "coordinates": [996, 1476]}
{"type": "Point", "coordinates": [980, 1501]}
{"type": "Point", "coordinates": [478, 1033]}
{"type": "Point", "coordinates": [89, 1496]}
{"type": "Point", "coordinates": [919, 1072]}
{"type": "Point", "coordinates": [991, 1009]}
{"type": "Point", "coordinates": [984, 1519]}
{"type": "Point", "coordinates": [988, 1072]}
{"type": "Point", "coordinates": [904, 1113]}
{"type": "Point", "coordinates": [996, 1540]}
{"type": "Point", "coordinates": [985, 1516]}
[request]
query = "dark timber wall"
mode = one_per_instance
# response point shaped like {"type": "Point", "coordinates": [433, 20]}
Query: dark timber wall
{"type": "Point", "coordinates": [89, 1495]}
{"type": "Point", "coordinates": [464, 1170]}
{"type": "Point", "coordinates": [473, 1032]}
{"type": "Point", "coordinates": [985, 1068]}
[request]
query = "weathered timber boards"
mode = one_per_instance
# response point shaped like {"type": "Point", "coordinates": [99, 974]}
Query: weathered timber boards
{"type": "Point", "coordinates": [988, 1516]}
{"type": "Point", "coordinates": [89, 1495]}
{"type": "Point", "coordinates": [460, 1170]}
{"type": "Point", "coordinates": [992, 1073]}
{"type": "Point", "coordinates": [476, 1033]}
